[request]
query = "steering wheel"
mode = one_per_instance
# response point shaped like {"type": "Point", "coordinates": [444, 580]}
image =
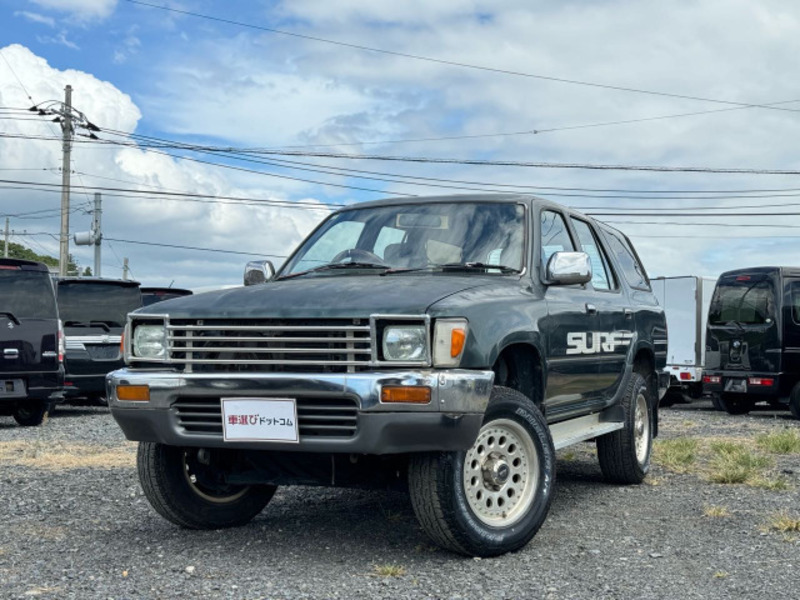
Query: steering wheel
{"type": "Point", "coordinates": [358, 255]}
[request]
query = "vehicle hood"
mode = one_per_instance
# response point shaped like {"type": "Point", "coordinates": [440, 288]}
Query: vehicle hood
{"type": "Point", "coordinates": [336, 296]}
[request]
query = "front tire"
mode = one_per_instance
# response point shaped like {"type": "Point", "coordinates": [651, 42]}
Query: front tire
{"type": "Point", "coordinates": [493, 497]}
{"type": "Point", "coordinates": [182, 491]}
{"type": "Point", "coordinates": [31, 413]}
{"type": "Point", "coordinates": [624, 454]}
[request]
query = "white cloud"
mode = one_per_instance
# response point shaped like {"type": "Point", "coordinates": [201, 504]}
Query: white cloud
{"type": "Point", "coordinates": [60, 39]}
{"type": "Point", "coordinates": [82, 10]}
{"type": "Point", "coordinates": [36, 18]}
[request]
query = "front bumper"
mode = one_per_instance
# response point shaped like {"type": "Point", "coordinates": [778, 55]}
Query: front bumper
{"type": "Point", "coordinates": [449, 422]}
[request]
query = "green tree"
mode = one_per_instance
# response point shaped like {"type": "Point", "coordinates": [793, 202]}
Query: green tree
{"type": "Point", "coordinates": [20, 251]}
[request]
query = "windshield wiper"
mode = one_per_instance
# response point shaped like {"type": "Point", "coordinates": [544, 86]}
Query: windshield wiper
{"type": "Point", "coordinates": [102, 324]}
{"type": "Point", "coordinates": [10, 315]}
{"type": "Point", "coordinates": [477, 266]}
{"type": "Point", "coordinates": [336, 266]}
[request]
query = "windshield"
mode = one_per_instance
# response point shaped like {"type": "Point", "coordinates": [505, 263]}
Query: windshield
{"type": "Point", "coordinates": [84, 303]}
{"type": "Point", "coordinates": [415, 236]}
{"type": "Point", "coordinates": [743, 299]}
{"type": "Point", "coordinates": [27, 294]}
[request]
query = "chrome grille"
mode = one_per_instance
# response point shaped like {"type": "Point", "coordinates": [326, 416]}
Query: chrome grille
{"type": "Point", "coordinates": [316, 417]}
{"type": "Point", "coordinates": [334, 346]}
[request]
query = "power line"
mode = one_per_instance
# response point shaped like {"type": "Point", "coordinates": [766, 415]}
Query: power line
{"type": "Point", "coordinates": [138, 193]}
{"type": "Point", "coordinates": [734, 225]}
{"type": "Point", "coordinates": [180, 247]}
{"type": "Point", "coordinates": [16, 77]}
{"type": "Point", "coordinates": [527, 164]}
{"type": "Point", "coordinates": [454, 63]}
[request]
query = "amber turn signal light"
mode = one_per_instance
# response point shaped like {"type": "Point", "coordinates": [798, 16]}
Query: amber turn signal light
{"type": "Point", "coordinates": [457, 339]}
{"type": "Point", "coordinates": [133, 393]}
{"type": "Point", "coordinates": [406, 394]}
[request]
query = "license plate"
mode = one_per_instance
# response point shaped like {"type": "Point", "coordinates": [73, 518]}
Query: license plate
{"type": "Point", "coordinates": [260, 420]}
{"type": "Point", "coordinates": [12, 388]}
{"type": "Point", "coordinates": [738, 386]}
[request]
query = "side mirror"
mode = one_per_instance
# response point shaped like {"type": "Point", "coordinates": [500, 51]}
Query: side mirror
{"type": "Point", "coordinates": [258, 271]}
{"type": "Point", "coordinates": [569, 268]}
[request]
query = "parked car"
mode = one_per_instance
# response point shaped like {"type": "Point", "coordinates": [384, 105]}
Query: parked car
{"type": "Point", "coordinates": [447, 346]}
{"type": "Point", "coordinates": [94, 312]}
{"type": "Point", "coordinates": [151, 295]}
{"type": "Point", "coordinates": [31, 342]}
{"type": "Point", "coordinates": [753, 339]}
{"type": "Point", "coordinates": [685, 300]}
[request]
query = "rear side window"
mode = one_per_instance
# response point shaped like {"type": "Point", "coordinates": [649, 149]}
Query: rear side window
{"type": "Point", "coordinates": [27, 294]}
{"type": "Point", "coordinates": [602, 276]}
{"type": "Point", "coordinates": [632, 269]}
{"type": "Point", "coordinates": [794, 286]}
{"type": "Point", "coordinates": [555, 236]}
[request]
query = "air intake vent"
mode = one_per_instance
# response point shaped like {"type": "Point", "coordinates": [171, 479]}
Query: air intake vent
{"type": "Point", "coordinates": [317, 417]}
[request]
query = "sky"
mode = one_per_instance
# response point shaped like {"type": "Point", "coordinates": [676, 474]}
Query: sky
{"type": "Point", "coordinates": [705, 94]}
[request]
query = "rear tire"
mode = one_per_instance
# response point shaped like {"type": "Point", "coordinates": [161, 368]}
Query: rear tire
{"type": "Point", "coordinates": [672, 397]}
{"type": "Point", "coordinates": [625, 454]}
{"type": "Point", "coordinates": [493, 497]}
{"type": "Point", "coordinates": [794, 402]}
{"type": "Point", "coordinates": [31, 413]}
{"type": "Point", "coordinates": [735, 404]}
{"type": "Point", "coordinates": [170, 484]}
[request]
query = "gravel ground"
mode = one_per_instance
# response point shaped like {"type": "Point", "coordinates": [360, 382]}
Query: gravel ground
{"type": "Point", "coordinates": [76, 525]}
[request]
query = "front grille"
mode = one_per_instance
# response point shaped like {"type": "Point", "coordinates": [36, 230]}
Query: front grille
{"type": "Point", "coordinates": [274, 346]}
{"type": "Point", "coordinates": [316, 417]}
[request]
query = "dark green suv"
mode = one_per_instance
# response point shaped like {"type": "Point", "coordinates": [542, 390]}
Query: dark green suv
{"type": "Point", "coordinates": [447, 346]}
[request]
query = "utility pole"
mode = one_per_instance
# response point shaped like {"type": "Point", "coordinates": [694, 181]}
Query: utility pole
{"type": "Point", "coordinates": [66, 137]}
{"type": "Point", "coordinates": [125, 268]}
{"type": "Point", "coordinates": [5, 252]}
{"type": "Point", "coordinates": [93, 237]}
{"type": "Point", "coordinates": [98, 234]}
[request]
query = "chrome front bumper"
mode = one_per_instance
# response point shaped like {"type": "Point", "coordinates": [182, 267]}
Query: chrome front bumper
{"type": "Point", "coordinates": [449, 422]}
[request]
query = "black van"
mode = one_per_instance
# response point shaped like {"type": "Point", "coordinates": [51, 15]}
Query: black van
{"type": "Point", "coordinates": [151, 295]}
{"type": "Point", "coordinates": [94, 312]}
{"type": "Point", "coordinates": [753, 339]}
{"type": "Point", "coordinates": [31, 342]}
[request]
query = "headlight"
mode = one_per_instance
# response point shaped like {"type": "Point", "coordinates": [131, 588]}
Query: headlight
{"type": "Point", "coordinates": [449, 337]}
{"type": "Point", "coordinates": [150, 341]}
{"type": "Point", "coordinates": [405, 343]}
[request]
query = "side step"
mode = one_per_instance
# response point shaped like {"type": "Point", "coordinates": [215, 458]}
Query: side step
{"type": "Point", "coordinates": [577, 430]}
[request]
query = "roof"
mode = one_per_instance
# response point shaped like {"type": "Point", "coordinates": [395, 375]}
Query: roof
{"type": "Point", "coordinates": [97, 281]}
{"type": "Point", "coordinates": [786, 271]}
{"type": "Point", "coordinates": [500, 198]}
{"type": "Point", "coordinates": [166, 290]}
{"type": "Point", "coordinates": [27, 265]}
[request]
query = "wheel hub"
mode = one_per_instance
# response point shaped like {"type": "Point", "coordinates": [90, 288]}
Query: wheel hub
{"type": "Point", "coordinates": [495, 472]}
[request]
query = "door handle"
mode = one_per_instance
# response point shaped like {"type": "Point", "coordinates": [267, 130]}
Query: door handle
{"type": "Point", "coordinates": [11, 353]}
{"type": "Point", "coordinates": [591, 309]}
{"type": "Point", "coordinates": [627, 312]}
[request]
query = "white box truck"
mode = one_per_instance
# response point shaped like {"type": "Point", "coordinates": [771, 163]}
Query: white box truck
{"type": "Point", "coordinates": [685, 301]}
